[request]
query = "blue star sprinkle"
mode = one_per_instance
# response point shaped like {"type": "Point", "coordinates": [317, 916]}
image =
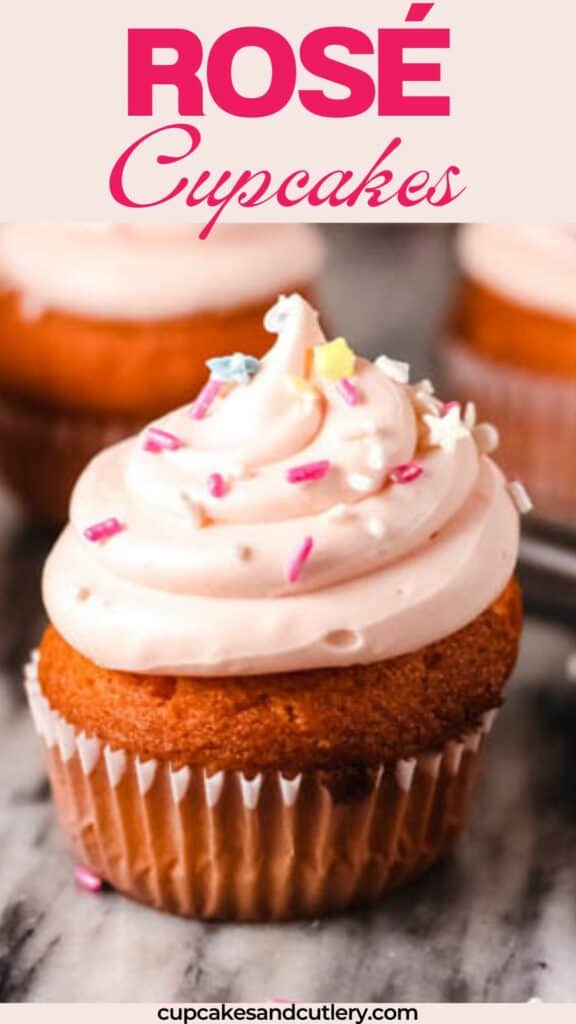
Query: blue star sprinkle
{"type": "Point", "coordinates": [236, 369]}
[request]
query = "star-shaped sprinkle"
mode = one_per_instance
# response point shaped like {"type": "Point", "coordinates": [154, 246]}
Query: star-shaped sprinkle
{"type": "Point", "coordinates": [445, 431]}
{"type": "Point", "coordinates": [393, 368]}
{"type": "Point", "coordinates": [236, 369]}
{"type": "Point", "coordinates": [334, 359]}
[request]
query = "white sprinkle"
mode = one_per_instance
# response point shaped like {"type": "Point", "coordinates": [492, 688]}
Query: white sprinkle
{"type": "Point", "coordinates": [445, 431]}
{"type": "Point", "coordinates": [194, 509]}
{"type": "Point", "coordinates": [243, 552]}
{"type": "Point", "coordinates": [487, 437]}
{"type": "Point", "coordinates": [361, 482]}
{"type": "Point", "coordinates": [338, 513]}
{"type": "Point", "coordinates": [376, 528]}
{"type": "Point", "coordinates": [376, 456]}
{"type": "Point", "coordinates": [520, 497]}
{"type": "Point", "coordinates": [393, 368]}
{"type": "Point", "coordinates": [423, 387]}
{"type": "Point", "coordinates": [469, 417]}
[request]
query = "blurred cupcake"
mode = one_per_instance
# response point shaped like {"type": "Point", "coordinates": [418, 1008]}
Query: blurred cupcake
{"type": "Point", "coordinates": [513, 351]}
{"type": "Point", "coordinates": [281, 623]}
{"type": "Point", "coordinates": [103, 327]}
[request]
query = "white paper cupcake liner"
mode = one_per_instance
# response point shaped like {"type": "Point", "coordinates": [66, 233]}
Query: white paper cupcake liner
{"type": "Point", "coordinates": [234, 847]}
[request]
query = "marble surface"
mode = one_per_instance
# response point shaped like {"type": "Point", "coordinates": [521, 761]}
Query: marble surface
{"type": "Point", "coordinates": [497, 922]}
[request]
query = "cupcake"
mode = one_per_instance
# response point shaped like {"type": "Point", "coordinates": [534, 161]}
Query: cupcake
{"type": "Point", "coordinates": [281, 621]}
{"type": "Point", "coordinates": [104, 327]}
{"type": "Point", "coordinates": [513, 351]}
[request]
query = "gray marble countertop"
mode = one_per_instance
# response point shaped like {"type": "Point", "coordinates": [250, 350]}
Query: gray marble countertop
{"type": "Point", "coordinates": [497, 922]}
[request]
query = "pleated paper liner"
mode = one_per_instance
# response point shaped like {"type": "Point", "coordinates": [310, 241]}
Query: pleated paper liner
{"type": "Point", "coordinates": [234, 848]}
{"type": "Point", "coordinates": [536, 416]}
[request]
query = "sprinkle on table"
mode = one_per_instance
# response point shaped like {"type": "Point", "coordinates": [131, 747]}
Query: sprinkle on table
{"type": "Point", "coordinates": [157, 440]}
{"type": "Point", "coordinates": [299, 559]}
{"type": "Point", "coordinates": [307, 472]}
{"type": "Point", "coordinates": [235, 369]}
{"type": "Point", "coordinates": [87, 880]}
{"type": "Point", "coordinates": [348, 391]}
{"type": "Point", "coordinates": [104, 530]}
{"type": "Point", "coordinates": [334, 359]}
{"type": "Point", "coordinates": [210, 391]}
{"type": "Point", "coordinates": [406, 473]}
{"type": "Point", "coordinates": [216, 485]}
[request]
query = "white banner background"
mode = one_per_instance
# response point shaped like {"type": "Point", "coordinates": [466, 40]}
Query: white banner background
{"type": "Point", "coordinates": [510, 74]}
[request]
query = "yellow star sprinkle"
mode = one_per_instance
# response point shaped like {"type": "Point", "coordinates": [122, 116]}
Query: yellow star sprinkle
{"type": "Point", "coordinates": [334, 360]}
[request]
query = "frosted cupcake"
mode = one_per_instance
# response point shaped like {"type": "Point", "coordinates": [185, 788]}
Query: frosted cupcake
{"type": "Point", "coordinates": [513, 351]}
{"type": "Point", "coordinates": [103, 327]}
{"type": "Point", "coordinates": [281, 622]}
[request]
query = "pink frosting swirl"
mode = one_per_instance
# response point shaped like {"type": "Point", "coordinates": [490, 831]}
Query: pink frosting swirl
{"type": "Point", "coordinates": [197, 581]}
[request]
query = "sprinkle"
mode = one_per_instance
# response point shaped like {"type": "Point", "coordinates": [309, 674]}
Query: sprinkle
{"type": "Point", "coordinates": [425, 387]}
{"type": "Point", "coordinates": [447, 407]}
{"type": "Point", "coordinates": [400, 372]}
{"type": "Point", "coordinates": [486, 437]}
{"type": "Point", "coordinates": [334, 359]}
{"type": "Point", "coordinates": [216, 485]}
{"type": "Point", "coordinates": [469, 417]}
{"type": "Point", "coordinates": [444, 431]}
{"type": "Point", "coordinates": [520, 497]}
{"type": "Point", "coordinates": [104, 530]}
{"type": "Point", "coordinates": [338, 513]}
{"type": "Point", "coordinates": [81, 593]}
{"type": "Point", "coordinates": [243, 552]}
{"type": "Point", "coordinates": [361, 482]}
{"type": "Point", "coordinates": [406, 473]}
{"type": "Point", "coordinates": [348, 391]}
{"type": "Point", "coordinates": [86, 879]}
{"type": "Point", "coordinates": [157, 440]}
{"type": "Point", "coordinates": [309, 471]}
{"type": "Point", "coordinates": [299, 559]}
{"type": "Point", "coordinates": [376, 528]}
{"type": "Point", "coordinates": [236, 369]}
{"type": "Point", "coordinates": [202, 404]}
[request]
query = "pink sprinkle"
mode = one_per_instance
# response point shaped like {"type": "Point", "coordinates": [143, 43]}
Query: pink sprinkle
{"type": "Point", "coordinates": [160, 440]}
{"type": "Point", "coordinates": [298, 560]}
{"type": "Point", "coordinates": [102, 531]}
{"type": "Point", "coordinates": [202, 404]}
{"type": "Point", "coordinates": [309, 471]}
{"type": "Point", "coordinates": [216, 485]}
{"type": "Point", "coordinates": [448, 406]}
{"type": "Point", "coordinates": [406, 473]}
{"type": "Point", "coordinates": [86, 879]}
{"type": "Point", "coordinates": [348, 391]}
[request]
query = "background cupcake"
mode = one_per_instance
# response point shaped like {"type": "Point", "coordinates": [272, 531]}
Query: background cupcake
{"type": "Point", "coordinates": [513, 350]}
{"type": "Point", "coordinates": [103, 327]}
{"type": "Point", "coordinates": [282, 620]}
